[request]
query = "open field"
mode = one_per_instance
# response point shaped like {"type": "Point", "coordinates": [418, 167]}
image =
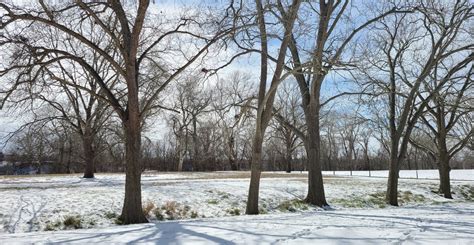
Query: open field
{"type": "Point", "coordinates": [455, 174]}
{"type": "Point", "coordinates": [207, 205]}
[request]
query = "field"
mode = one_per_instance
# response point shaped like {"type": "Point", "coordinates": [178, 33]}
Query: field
{"type": "Point", "coordinates": [209, 207]}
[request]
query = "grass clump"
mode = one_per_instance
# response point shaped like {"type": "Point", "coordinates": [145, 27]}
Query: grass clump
{"type": "Point", "coordinates": [233, 211]}
{"type": "Point", "coordinates": [73, 222]}
{"type": "Point", "coordinates": [262, 210]}
{"type": "Point", "coordinates": [110, 215]}
{"type": "Point", "coordinates": [408, 196]}
{"type": "Point", "coordinates": [212, 201]}
{"type": "Point", "coordinates": [292, 205]}
{"type": "Point", "coordinates": [53, 226]}
{"type": "Point", "coordinates": [147, 208]}
{"type": "Point", "coordinates": [372, 200]}
{"type": "Point", "coordinates": [172, 210]}
{"type": "Point", "coordinates": [377, 200]}
{"type": "Point", "coordinates": [467, 192]}
{"type": "Point", "coordinates": [159, 214]}
{"type": "Point", "coordinates": [223, 194]}
{"type": "Point", "coordinates": [118, 221]}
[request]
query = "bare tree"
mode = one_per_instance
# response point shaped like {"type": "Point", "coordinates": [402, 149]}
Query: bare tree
{"type": "Point", "coordinates": [331, 41]}
{"type": "Point", "coordinates": [33, 144]}
{"type": "Point", "coordinates": [266, 98]}
{"type": "Point", "coordinates": [288, 114]}
{"type": "Point", "coordinates": [137, 45]}
{"type": "Point", "coordinates": [233, 95]}
{"type": "Point", "coordinates": [443, 121]}
{"type": "Point", "coordinates": [411, 46]}
{"type": "Point", "coordinates": [350, 126]}
{"type": "Point", "coordinates": [192, 102]}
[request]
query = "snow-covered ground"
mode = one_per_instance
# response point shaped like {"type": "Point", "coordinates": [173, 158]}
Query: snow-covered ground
{"type": "Point", "coordinates": [39, 208]}
{"type": "Point", "coordinates": [447, 224]}
{"type": "Point", "coordinates": [455, 174]}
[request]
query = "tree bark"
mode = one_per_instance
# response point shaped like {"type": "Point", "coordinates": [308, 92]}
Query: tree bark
{"type": "Point", "coordinates": [445, 185]}
{"type": "Point", "coordinates": [89, 155]}
{"type": "Point", "coordinates": [233, 164]}
{"type": "Point", "coordinates": [132, 212]}
{"type": "Point", "coordinates": [265, 100]}
{"type": "Point", "coordinates": [316, 194]}
{"type": "Point", "coordinates": [181, 155]}
{"type": "Point", "coordinates": [132, 207]}
{"type": "Point", "coordinates": [231, 154]}
{"type": "Point", "coordinates": [256, 169]}
{"type": "Point", "coordinates": [444, 168]}
{"type": "Point", "coordinates": [392, 184]}
{"type": "Point", "coordinates": [288, 152]}
{"type": "Point", "coordinates": [196, 157]}
{"type": "Point", "coordinates": [288, 164]}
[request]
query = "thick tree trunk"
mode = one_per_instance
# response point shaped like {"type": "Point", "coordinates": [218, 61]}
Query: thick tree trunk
{"type": "Point", "coordinates": [316, 194]}
{"type": "Point", "coordinates": [444, 169]}
{"type": "Point", "coordinates": [288, 165]}
{"type": "Point", "coordinates": [445, 185]}
{"type": "Point", "coordinates": [256, 169]}
{"type": "Point", "coordinates": [443, 162]}
{"type": "Point", "coordinates": [89, 156]}
{"type": "Point", "coordinates": [132, 207]}
{"type": "Point", "coordinates": [392, 185]}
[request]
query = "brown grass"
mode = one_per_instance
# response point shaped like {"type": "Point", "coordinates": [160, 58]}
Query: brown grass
{"type": "Point", "coordinates": [186, 175]}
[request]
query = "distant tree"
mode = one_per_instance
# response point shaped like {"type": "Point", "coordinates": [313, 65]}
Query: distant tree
{"type": "Point", "coordinates": [233, 96]}
{"type": "Point", "coordinates": [288, 114]}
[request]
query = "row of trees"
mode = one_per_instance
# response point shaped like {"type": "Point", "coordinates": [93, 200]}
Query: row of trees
{"type": "Point", "coordinates": [345, 143]}
{"type": "Point", "coordinates": [335, 80]}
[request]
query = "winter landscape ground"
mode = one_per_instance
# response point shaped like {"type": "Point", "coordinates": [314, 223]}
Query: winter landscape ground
{"type": "Point", "coordinates": [208, 208]}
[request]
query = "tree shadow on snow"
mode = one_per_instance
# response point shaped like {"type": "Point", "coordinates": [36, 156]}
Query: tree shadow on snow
{"type": "Point", "coordinates": [157, 233]}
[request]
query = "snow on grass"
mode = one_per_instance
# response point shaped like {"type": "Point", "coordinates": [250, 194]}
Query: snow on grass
{"type": "Point", "coordinates": [448, 224]}
{"type": "Point", "coordinates": [455, 174]}
{"type": "Point", "coordinates": [58, 202]}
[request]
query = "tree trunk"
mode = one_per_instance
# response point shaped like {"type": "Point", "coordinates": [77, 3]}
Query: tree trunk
{"type": "Point", "coordinates": [445, 185]}
{"type": "Point", "coordinates": [233, 164]}
{"type": "Point", "coordinates": [288, 159]}
{"type": "Point", "coordinates": [180, 160]}
{"type": "Point", "coordinates": [256, 169]}
{"type": "Point", "coordinates": [61, 157]}
{"type": "Point", "coordinates": [232, 154]}
{"type": "Point", "coordinates": [316, 194]}
{"type": "Point", "coordinates": [132, 212]}
{"type": "Point", "coordinates": [444, 169]}
{"type": "Point", "coordinates": [392, 185]}
{"type": "Point", "coordinates": [196, 157]}
{"type": "Point", "coordinates": [69, 156]}
{"type": "Point", "coordinates": [443, 163]}
{"type": "Point", "coordinates": [89, 155]}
